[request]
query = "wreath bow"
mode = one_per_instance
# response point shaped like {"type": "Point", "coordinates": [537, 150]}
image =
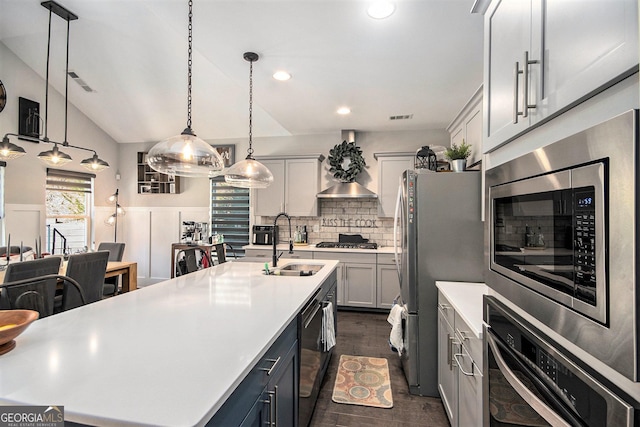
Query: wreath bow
{"type": "Point", "coordinates": [336, 157]}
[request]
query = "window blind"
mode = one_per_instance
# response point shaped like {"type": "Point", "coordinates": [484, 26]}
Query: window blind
{"type": "Point", "coordinates": [63, 180]}
{"type": "Point", "coordinates": [230, 214]}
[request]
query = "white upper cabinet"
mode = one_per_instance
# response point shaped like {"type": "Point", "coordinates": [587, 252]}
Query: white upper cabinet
{"type": "Point", "coordinates": [296, 181]}
{"type": "Point", "coordinates": [543, 57]}
{"type": "Point", "coordinates": [390, 168]}
{"type": "Point", "coordinates": [467, 126]}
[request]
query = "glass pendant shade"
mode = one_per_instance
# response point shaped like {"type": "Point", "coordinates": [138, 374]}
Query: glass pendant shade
{"type": "Point", "coordinates": [185, 155]}
{"type": "Point", "coordinates": [10, 151]}
{"type": "Point", "coordinates": [54, 157]}
{"type": "Point", "coordinates": [120, 211]}
{"type": "Point", "coordinates": [249, 173]}
{"type": "Point", "coordinates": [94, 164]}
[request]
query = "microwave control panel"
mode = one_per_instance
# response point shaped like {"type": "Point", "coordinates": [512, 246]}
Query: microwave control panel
{"type": "Point", "coordinates": [585, 242]}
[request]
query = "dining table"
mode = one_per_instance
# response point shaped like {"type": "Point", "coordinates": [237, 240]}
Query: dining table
{"type": "Point", "coordinates": [127, 269]}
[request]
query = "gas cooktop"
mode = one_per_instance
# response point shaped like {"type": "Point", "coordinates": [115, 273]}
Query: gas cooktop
{"type": "Point", "coordinates": [347, 245]}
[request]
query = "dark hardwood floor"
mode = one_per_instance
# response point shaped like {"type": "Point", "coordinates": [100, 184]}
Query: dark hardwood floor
{"type": "Point", "coordinates": [367, 334]}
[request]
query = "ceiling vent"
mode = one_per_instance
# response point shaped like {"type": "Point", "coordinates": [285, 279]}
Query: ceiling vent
{"type": "Point", "coordinates": [76, 78]}
{"type": "Point", "coordinates": [401, 117]}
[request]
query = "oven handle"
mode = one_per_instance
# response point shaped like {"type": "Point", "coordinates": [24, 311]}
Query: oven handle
{"type": "Point", "coordinates": [309, 319]}
{"type": "Point", "coordinates": [538, 405]}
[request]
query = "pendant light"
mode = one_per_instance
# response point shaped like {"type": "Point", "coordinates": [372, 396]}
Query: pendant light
{"type": "Point", "coordinates": [249, 173]}
{"type": "Point", "coordinates": [55, 157]}
{"type": "Point", "coordinates": [10, 151]}
{"type": "Point", "coordinates": [186, 154]}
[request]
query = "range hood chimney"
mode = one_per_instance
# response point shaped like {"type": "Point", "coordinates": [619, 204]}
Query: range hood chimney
{"type": "Point", "coordinates": [347, 190]}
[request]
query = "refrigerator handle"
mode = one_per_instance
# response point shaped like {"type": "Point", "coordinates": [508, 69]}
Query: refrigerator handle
{"type": "Point", "coordinates": [397, 218]}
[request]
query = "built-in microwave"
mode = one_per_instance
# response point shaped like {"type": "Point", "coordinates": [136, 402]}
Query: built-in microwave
{"type": "Point", "coordinates": [560, 238]}
{"type": "Point", "coordinates": [548, 233]}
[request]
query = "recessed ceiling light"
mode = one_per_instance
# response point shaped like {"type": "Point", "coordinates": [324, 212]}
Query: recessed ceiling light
{"type": "Point", "coordinates": [344, 110]}
{"type": "Point", "coordinates": [381, 9]}
{"type": "Point", "coordinates": [281, 75]}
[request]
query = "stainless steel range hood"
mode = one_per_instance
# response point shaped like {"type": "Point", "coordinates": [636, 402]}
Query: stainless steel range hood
{"type": "Point", "coordinates": [347, 190]}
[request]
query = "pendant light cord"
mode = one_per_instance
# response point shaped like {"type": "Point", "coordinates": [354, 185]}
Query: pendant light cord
{"type": "Point", "coordinates": [189, 65]}
{"type": "Point", "coordinates": [66, 88]}
{"type": "Point", "coordinates": [250, 150]}
{"type": "Point", "coordinates": [46, 89]}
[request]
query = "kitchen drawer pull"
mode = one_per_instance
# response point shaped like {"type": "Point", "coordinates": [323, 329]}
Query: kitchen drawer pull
{"type": "Point", "coordinates": [450, 341]}
{"type": "Point", "coordinates": [272, 407]}
{"type": "Point", "coordinates": [468, 374]}
{"type": "Point", "coordinates": [275, 404]}
{"type": "Point", "coordinates": [444, 307]}
{"type": "Point", "coordinates": [270, 370]}
{"type": "Point", "coordinates": [463, 334]}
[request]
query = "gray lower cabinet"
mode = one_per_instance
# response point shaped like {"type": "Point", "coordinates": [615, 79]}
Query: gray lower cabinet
{"type": "Point", "coordinates": [388, 283]}
{"type": "Point", "coordinates": [357, 284]}
{"type": "Point", "coordinates": [269, 393]}
{"type": "Point", "coordinates": [266, 254]}
{"type": "Point", "coordinates": [459, 362]}
{"type": "Point", "coordinates": [447, 371]}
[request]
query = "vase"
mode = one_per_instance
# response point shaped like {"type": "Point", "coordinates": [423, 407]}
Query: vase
{"type": "Point", "coordinates": [459, 165]}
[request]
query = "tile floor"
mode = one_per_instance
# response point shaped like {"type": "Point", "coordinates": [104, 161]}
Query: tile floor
{"type": "Point", "coordinates": [367, 334]}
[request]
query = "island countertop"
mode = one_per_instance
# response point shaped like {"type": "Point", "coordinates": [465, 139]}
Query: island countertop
{"type": "Point", "coordinates": [165, 355]}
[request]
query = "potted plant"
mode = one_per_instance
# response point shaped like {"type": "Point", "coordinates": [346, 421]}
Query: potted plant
{"type": "Point", "coordinates": [458, 155]}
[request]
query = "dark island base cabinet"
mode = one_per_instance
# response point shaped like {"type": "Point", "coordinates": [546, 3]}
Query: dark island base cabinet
{"type": "Point", "coordinates": [269, 393]}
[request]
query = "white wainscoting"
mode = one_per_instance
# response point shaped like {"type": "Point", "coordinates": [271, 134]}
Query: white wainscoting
{"type": "Point", "coordinates": [25, 223]}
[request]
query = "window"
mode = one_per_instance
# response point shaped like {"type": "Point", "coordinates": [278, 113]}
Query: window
{"type": "Point", "coordinates": [69, 201]}
{"type": "Point", "coordinates": [230, 213]}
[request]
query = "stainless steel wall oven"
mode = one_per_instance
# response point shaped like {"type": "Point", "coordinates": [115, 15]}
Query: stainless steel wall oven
{"type": "Point", "coordinates": [531, 381]}
{"type": "Point", "coordinates": [561, 238]}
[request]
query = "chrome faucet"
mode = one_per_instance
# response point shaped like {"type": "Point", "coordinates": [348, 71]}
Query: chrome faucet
{"type": "Point", "coordinates": [274, 261]}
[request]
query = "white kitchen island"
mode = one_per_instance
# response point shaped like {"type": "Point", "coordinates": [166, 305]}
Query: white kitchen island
{"type": "Point", "coordinates": [166, 355]}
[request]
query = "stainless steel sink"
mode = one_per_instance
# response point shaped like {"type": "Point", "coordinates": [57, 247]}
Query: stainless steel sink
{"type": "Point", "coordinates": [296, 269]}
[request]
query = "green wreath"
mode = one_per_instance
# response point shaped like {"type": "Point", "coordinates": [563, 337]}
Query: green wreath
{"type": "Point", "coordinates": [336, 157]}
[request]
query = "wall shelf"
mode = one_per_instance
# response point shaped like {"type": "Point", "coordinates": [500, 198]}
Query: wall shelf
{"type": "Point", "coordinates": [152, 182]}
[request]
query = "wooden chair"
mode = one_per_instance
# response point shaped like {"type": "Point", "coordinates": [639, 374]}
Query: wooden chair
{"type": "Point", "coordinates": [88, 270]}
{"type": "Point", "coordinates": [20, 290]}
{"type": "Point", "coordinates": [116, 251]}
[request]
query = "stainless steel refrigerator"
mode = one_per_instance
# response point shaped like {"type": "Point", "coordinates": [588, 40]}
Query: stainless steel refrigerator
{"type": "Point", "coordinates": [439, 236]}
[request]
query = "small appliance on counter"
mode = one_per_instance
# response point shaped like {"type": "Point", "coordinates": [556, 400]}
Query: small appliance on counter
{"type": "Point", "coordinates": [194, 232]}
{"type": "Point", "coordinates": [263, 235]}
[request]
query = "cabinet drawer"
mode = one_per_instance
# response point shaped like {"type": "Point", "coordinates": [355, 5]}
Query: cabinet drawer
{"type": "Point", "coordinates": [347, 257]}
{"type": "Point", "coordinates": [446, 308]}
{"type": "Point", "coordinates": [468, 339]}
{"type": "Point", "coordinates": [250, 389]}
{"type": "Point", "coordinates": [387, 259]}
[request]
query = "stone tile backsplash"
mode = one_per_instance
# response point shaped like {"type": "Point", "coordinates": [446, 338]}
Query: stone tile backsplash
{"type": "Point", "coordinates": [340, 216]}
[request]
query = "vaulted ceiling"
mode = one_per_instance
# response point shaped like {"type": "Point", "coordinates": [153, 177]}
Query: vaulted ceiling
{"type": "Point", "coordinates": [424, 61]}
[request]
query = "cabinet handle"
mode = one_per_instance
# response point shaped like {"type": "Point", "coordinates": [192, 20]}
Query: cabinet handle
{"type": "Point", "coordinates": [269, 402]}
{"type": "Point", "coordinates": [516, 75]}
{"type": "Point", "coordinates": [275, 405]}
{"type": "Point", "coordinates": [525, 81]}
{"type": "Point", "coordinates": [527, 62]}
{"type": "Point", "coordinates": [468, 374]}
{"type": "Point", "coordinates": [450, 340]}
{"type": "Point", "coordinates": [463, 334]}
{"type": "Point", "coordinates": [443, 307]}
{"type": "Point", "coordinates": [269, 370]}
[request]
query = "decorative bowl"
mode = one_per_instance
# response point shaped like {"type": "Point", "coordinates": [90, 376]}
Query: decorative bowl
{"type": "Point", "coordinates": [12, 324]}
